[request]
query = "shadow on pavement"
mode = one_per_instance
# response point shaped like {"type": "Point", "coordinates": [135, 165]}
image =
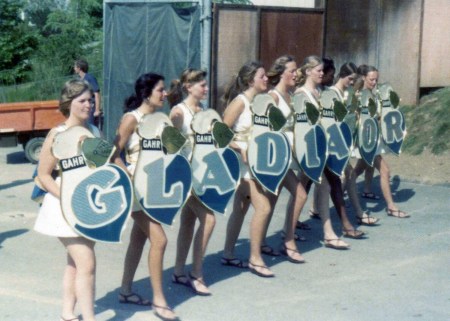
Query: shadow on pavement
{"type": "Point", "coordinates": [10, 234]}
{"type": "Point", "coordinates": [15, 183]}
{"type": "Point", "coordinates": [16, 158]}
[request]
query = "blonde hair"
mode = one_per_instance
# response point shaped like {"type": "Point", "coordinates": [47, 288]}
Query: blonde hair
{"type": "Point", "coordinates": [178, 87]}
{"type": "Point", "coordinates": [309, 63]}
{"type": "Point", "coordinates": [277, 69]}
{"type": "Point", "coordinates": [71, 90]}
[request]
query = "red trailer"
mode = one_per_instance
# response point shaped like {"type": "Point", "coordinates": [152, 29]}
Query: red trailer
{"type": "Point", "coordinates": [28, 123]}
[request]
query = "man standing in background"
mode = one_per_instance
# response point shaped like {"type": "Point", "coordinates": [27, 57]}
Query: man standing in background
{"type": "Point", "coordinates": [81, 68]}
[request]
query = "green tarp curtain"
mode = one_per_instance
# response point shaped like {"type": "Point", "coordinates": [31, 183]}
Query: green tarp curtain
{"type": "Point", "coordinates": [140, 38]}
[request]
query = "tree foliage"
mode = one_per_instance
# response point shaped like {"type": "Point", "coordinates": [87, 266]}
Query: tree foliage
{"type": "Point", "coordinates": [17, 42]}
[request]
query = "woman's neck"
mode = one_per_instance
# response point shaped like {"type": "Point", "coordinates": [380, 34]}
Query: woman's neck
{"type": "Point", "coordinates": [192, 103]}
{"type": "Point", "coordinates": [73, 121]}
{"type": "Point", "coordinates": [250, 93]}
{"type": "Point", "coordinates": [146, 108]}
{"type": "Point", "coordinates": [339, 85]}
{"type": "Point", "coordinates": [312, 87]}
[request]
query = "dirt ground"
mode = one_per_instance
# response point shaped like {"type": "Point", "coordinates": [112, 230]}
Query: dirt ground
{"type": "Point", "coordinates": [425, 168]}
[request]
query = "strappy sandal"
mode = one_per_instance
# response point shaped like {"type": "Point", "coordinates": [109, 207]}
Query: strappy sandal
{"type": "Point", "coordinates": [253, 269]}
{"type": "Point", "coordinates": [181, 279]}
{"type": "Point", "coordinates": [353, 234]}
{"type": "Point", "coordinates": [268, 250]}
{"type": "Point", "coordinates": [334, 244]}
{"type": "Point", "coordinates": [192, 280]}
{"type": "Point", "coordinates": [128, 299]}
{"type": "Point", "coordinates": [284, 250]}
{"type": "Point", "coordinates": [74, 319]}
{"type": "Point", "coordinates": [302, 226]}
{"type": "Point", "coordinates": [368, 220]}
{"type": "Point", "coordinates": [396, 213]}
{"type": "Point", "coordinates": [314, 215]}
{"type": "Point", "coordinates": [235, 262]}
{"type": "Point", "coordinates": [159, 315]}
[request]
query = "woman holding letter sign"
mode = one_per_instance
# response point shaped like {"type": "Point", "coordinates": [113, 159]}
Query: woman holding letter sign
{"type": "Point", "coordinates": [250, 81]}
{"type": "Point", "coordinates": [149, 97]}
{"type": "Point", "coordinates": [79, 273]}
{"type": "Point", "coordinates": [185, 96]}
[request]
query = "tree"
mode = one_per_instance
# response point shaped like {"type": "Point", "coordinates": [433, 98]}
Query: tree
{"type": "Point", "coordinates": [17, 42]}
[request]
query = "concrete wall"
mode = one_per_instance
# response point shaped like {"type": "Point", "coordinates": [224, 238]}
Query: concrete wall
{"type": "Point", "coordinates": [435, 61]}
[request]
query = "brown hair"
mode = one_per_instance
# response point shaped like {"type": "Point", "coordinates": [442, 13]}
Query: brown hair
{"type": "Point", "coordinates": [277, 69]}
{"type": "Point", "coordinates": [241, 81]}
{"type": "Point", "coordinates": [71, 90]}
{"type": "Point", "coordinates": [178, 86]}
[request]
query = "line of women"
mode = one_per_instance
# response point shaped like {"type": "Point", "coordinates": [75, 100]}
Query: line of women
{"type": "Point", "coordinates": [283, 80]}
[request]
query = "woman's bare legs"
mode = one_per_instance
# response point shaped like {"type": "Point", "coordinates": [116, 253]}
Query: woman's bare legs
{"type": "Point", "coordinates": [192, 210]}
{"type": "Point", "coordinates": [295, 206]}
{"type": "Point", "coordinates": [249, 191]}
{"type": "Point", "coordinates": [158, 242]}
{"type": "Point", "coordinates": [240, 208]}
{"type": "Point", "coordinates": [323, 208]}
{"type": "Point", "coordinates": [132, 258]}
{"type": "Point", "coordinates": [79, 278]}
{"type": "Point", "coordinates": [368, 177]}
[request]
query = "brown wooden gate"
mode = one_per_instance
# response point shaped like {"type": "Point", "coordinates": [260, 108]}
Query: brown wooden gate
{"type": "Point", "coordinates": [242, 33]}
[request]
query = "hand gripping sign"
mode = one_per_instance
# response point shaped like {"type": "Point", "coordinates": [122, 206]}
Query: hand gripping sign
{"type": "Point", "coordinates": [339, 135]}
{"type": "Point", "coordinates": [215, 167]}
{"type": "Point", "coordinates": [268, 153]}
{"type": "Point", "coordinates": [368, 128]}
{"type": "Point", "coordinates": [96, 196]}
{"type": "Point", "coordinates": [162, 178]}
{"type": "Point", "coordinates": [393, 125]}
{"type": "Point", "coordinates": [310, 141]}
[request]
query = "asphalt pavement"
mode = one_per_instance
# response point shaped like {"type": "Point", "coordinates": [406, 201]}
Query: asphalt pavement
{"type": "Point", "coordinates": [401, 271]}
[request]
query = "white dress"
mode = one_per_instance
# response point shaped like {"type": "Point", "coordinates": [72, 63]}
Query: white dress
{"type": "Point", "coordinates": [50, 220]}
{"type": "Point", "coordinates": [186, 130]}
{"type": "Point", "coordinates": [242, 128]}
{"type": "Point", "coordinates": [288, 128]}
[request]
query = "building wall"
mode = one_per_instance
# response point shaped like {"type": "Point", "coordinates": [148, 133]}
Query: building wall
{"type": "Point", "coordinates": [383, 33]}
{"type": "Point", "coordinates": [435, 62]}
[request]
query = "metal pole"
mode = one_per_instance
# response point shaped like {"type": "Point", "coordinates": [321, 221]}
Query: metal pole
{"type": "Point", "coordinates": [205, 19]}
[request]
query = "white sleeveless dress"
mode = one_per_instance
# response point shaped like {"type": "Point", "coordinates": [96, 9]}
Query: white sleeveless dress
{"type": "Point", "coordinates": [242, 129]}
{"type": "Point", "coordinates": [50, 220]}
{"type": "Point", "coordinates": [186, 130]}
{"type": "Point", "coordinates": [288, 128]}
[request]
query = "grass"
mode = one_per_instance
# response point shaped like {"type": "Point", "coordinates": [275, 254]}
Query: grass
{"type": "Point", "coordinates": [428, 124]}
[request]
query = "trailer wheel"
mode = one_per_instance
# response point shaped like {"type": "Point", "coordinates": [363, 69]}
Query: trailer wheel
{"type": "Point", "coordinates": [33, 149]}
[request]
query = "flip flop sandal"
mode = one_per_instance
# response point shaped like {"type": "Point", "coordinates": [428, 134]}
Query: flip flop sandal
{"type": "Point", "coordinates": [194, 288]}
{"type": "Point", "coordinates": [353, 234]}
{"type": "Point", "coordinates": [154, 307]}
{"type": "Point", "coordinates": [302, 226]}
{"type": "Point", "coordinates": [370, 196]}
{"type": "Point", "coordinates": [127, 299]}
{"type": "Point", "coordinates": [235, 262]}
{"type": "Point", "coordinates": [396, 213]}
{"type": "Point", "coordinates": [368, 220]}
{"type": "Point", "coordinates": [74, 319]}
{"type": "Point", "coordinates": [253, 269]}
{"type": "Point", "coordinates": [314, 215]}
{"type": "Point", "coordinates": [284, 250]}
{"type": "Point", "coordinates": [268, 250]}
{"type": "Point", "coordinates": [328, 243]}
{"type": "Point", "coordinates": [181, 279]}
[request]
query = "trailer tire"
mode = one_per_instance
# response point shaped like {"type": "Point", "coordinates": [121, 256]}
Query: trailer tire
{"type": "Point", "coordinates": [33, 149]}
